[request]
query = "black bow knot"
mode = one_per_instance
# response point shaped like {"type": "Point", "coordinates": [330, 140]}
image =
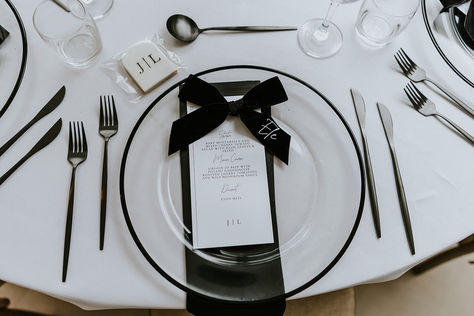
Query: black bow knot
{"type": "Point", "coordinates": [214, 109]}
{"type": "Point", "coordinates": [236, 106]}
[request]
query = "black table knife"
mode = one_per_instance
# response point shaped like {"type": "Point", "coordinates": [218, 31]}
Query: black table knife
{"type": "Point", "coordinates": [48, 108]}
{"type": "Point", "coordinates": [50, 135]}
{"type": "Point", "coordinates": [359, 105]}
{"type": "Point", "coordinates": [388, 127]}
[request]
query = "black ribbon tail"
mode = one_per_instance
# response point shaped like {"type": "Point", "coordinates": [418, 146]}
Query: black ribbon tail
{"type": "Point", "coordinates": [267, 131]}
{"type": "Point", "coordinates": [195, 125]}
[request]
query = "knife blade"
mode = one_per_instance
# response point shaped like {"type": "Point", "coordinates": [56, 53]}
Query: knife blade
{"type": "Point", "coordinates": [388, 127]}
{"type": "Point", "coordinates": [359, 105]}
{"type": "Point", "coordinates": [386, 122]}
{"type": "Point", "coordinates": [50, 135]}
{"type": "Point", "coordinates": [48, 108]}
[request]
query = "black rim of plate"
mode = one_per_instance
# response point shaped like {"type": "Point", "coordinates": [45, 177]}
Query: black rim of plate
{"type": "Point", "coordinates": [177, 283]}
{"type": "Point", "coordinates": [438, 48]}
{"type": "Point", "coordinates": [23, 59]}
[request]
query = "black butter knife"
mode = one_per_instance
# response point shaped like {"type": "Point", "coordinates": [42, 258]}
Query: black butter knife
{"type": "Point", "coordinates": [50, 135]}
{"type": "Point", "coordinates": [48, 108]}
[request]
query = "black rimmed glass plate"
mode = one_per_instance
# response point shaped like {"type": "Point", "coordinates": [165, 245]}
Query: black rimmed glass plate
{"type": "Point", "coordinates": [13, 53]}
{"type": "Point", "coordinates": [447, 41]}
{"type": "Point", "coordinates": [319, 194]}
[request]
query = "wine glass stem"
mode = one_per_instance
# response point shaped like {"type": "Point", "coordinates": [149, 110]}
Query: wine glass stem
{"type": "Point", "coordinates": [331, 10]}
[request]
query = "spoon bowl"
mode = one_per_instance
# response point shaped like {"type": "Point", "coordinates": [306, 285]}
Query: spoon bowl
{"type": "Point", "coordinates": [182, 27]}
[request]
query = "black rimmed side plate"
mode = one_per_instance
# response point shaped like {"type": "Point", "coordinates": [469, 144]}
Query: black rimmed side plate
{"type": "Point", "coordinates": [13, 54]}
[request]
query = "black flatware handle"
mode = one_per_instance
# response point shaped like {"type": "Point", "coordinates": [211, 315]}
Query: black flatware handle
{"type": "Point", "coordinates": [48, 108]}
{"type": "Point", "coordinates": [50, 135]}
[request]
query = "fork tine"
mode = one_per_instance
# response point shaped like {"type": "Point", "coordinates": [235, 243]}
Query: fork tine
{"type": "Point", "coordinates": [415, 94]}
{"type": "Point", "coordinates": [109, 115]}
{"type": "Point", "coordinates": [114, 111]}
{"type": "Point", "coordinates": [408, 57]}
{"type": "Point", "coordinates": [76, 140]}
{"type": "Point", "coordinates": [422, 96]}
{"type": "Point", "coordinates": [84, 140]}
{"type": "Point", "coordinates": [410, 64]}
{"type": "Point", "coordinates": [70, 138]}
{"type": "Point", "coordinates": [101, 115]}
{"type": "Point", "coordinates": [402, 66]}
{"type": "Point", "coordinates": [410, 96]}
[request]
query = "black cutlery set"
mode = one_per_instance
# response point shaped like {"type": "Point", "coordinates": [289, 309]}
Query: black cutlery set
{"type": "Point", "coordinates": [423, 105]}
{"type": "Point", "coordinates": [77, 153]}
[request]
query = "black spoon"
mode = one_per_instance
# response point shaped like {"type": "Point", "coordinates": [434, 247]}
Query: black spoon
{"type": "Point", "coordinates": [185, 29]}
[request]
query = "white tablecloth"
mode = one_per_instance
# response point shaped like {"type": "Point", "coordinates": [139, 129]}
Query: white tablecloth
{"type": "Point", "coordinates": [436, 163]}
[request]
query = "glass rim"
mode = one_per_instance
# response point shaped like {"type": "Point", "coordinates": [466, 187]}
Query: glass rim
{"type": "Point", "coordinates": [82, 17]}
{"type": "Point", "coordinates": [411, 13]}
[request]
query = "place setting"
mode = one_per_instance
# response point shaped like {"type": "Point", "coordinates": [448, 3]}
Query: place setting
{"type": "Point", "coordinates": [239, 185]}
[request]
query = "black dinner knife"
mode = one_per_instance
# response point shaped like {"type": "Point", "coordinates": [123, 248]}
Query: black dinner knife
{"type": "Point", "coordinates": [50, 135]}
{"type": "Point", "coordinates": [359, 106]}
{"type": "Point", "coordinates": [48, 108]}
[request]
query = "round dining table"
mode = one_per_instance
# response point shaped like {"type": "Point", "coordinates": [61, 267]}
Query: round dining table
{"type": "Point", "coordinates": [436, 163]}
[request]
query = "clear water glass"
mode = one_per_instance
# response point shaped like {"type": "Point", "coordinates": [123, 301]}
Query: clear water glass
{"type": "Point", "coordinates": [72, 33]}
{"type": "Point", "coordinates": [321, 38]}
{"type": "Point", "coordinates": [380, 21]}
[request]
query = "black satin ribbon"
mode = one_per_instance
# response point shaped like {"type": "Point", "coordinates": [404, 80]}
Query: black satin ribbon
{"type": "Point", "coordinates": [3, 34]}
{"type": "Point", "coordinates": [214, 109]}
{"type": "Point", "coordinates": [448, 4]}
{"type": "Point", "coordinates": [465, 22]}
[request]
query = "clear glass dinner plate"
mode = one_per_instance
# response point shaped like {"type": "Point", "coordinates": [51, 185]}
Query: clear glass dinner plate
{"type": "Point", "coordinates": [13, 53]}
{"type": "Point", "coordinates": [447, 40]}
{"type": "Point", "coordinates": [319, 195]}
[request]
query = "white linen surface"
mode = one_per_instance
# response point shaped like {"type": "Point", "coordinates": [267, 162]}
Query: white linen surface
{"type": "Point", "coordinates": [436, 163]}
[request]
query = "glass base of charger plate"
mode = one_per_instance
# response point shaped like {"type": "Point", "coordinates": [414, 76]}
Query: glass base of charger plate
{"type": "Point", "coordinates": [319, 195]}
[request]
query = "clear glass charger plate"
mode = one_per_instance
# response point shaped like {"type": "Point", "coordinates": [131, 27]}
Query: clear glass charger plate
{"type": "Point", "coordinates": [13, 54]}
{"type": "Point", "coordinates": [447, 40]}
{"type": "Point", "coordinates": [319, 195]}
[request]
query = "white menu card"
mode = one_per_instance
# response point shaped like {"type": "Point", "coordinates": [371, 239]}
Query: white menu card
{"type": "Point", "coordinates": [230, 203]}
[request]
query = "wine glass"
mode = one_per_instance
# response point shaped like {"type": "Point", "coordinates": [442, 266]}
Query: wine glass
{"type": "Point", "coordinates": [98, 8]}
{"type": "Point", "coordinates": [321, 38]}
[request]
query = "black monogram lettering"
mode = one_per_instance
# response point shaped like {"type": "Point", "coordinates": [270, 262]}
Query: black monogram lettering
{"type": "Point", "coordinates": [150, 57]}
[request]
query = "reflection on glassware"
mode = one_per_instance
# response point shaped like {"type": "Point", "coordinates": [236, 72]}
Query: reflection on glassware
{"type": "Point", "coordinates": [380, 21]}
{"type": "Point", "coordinates": [98, 8]}
{"type": "Point", "coordinates": [72, 34]}
{"type": "Point", "coordinates": [320, 38]}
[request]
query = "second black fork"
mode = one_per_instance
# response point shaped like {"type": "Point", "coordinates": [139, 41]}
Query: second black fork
{"type": "Point", "coordinates": [108, 127]}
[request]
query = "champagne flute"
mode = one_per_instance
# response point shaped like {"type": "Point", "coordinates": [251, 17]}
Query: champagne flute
{"type": "Point", "coordinates": [98, 8]}
{"type": "Point", "coordinates": [321, 38]}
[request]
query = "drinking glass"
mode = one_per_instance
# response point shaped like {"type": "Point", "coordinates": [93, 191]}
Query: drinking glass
{"type": "Point", "coordinates": [321, 38]}
{"type": "Point", "coordinates": [380, 21]}
{"type": "Point", "coordinates": [72, 33]}
{"type": "Point", "coordinates": [98, 8]}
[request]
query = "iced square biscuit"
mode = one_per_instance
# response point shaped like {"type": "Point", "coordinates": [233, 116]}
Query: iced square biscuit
{"type": "Point", "coordinates": [147, 65]}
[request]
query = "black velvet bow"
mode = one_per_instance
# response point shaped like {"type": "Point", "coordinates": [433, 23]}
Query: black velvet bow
{"type": "Point", "coordinates": [3, 34]}
{"type": "Point", "coordinates": [465, 22]}
{"type": "Point", "coordinates": [214, 109]}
